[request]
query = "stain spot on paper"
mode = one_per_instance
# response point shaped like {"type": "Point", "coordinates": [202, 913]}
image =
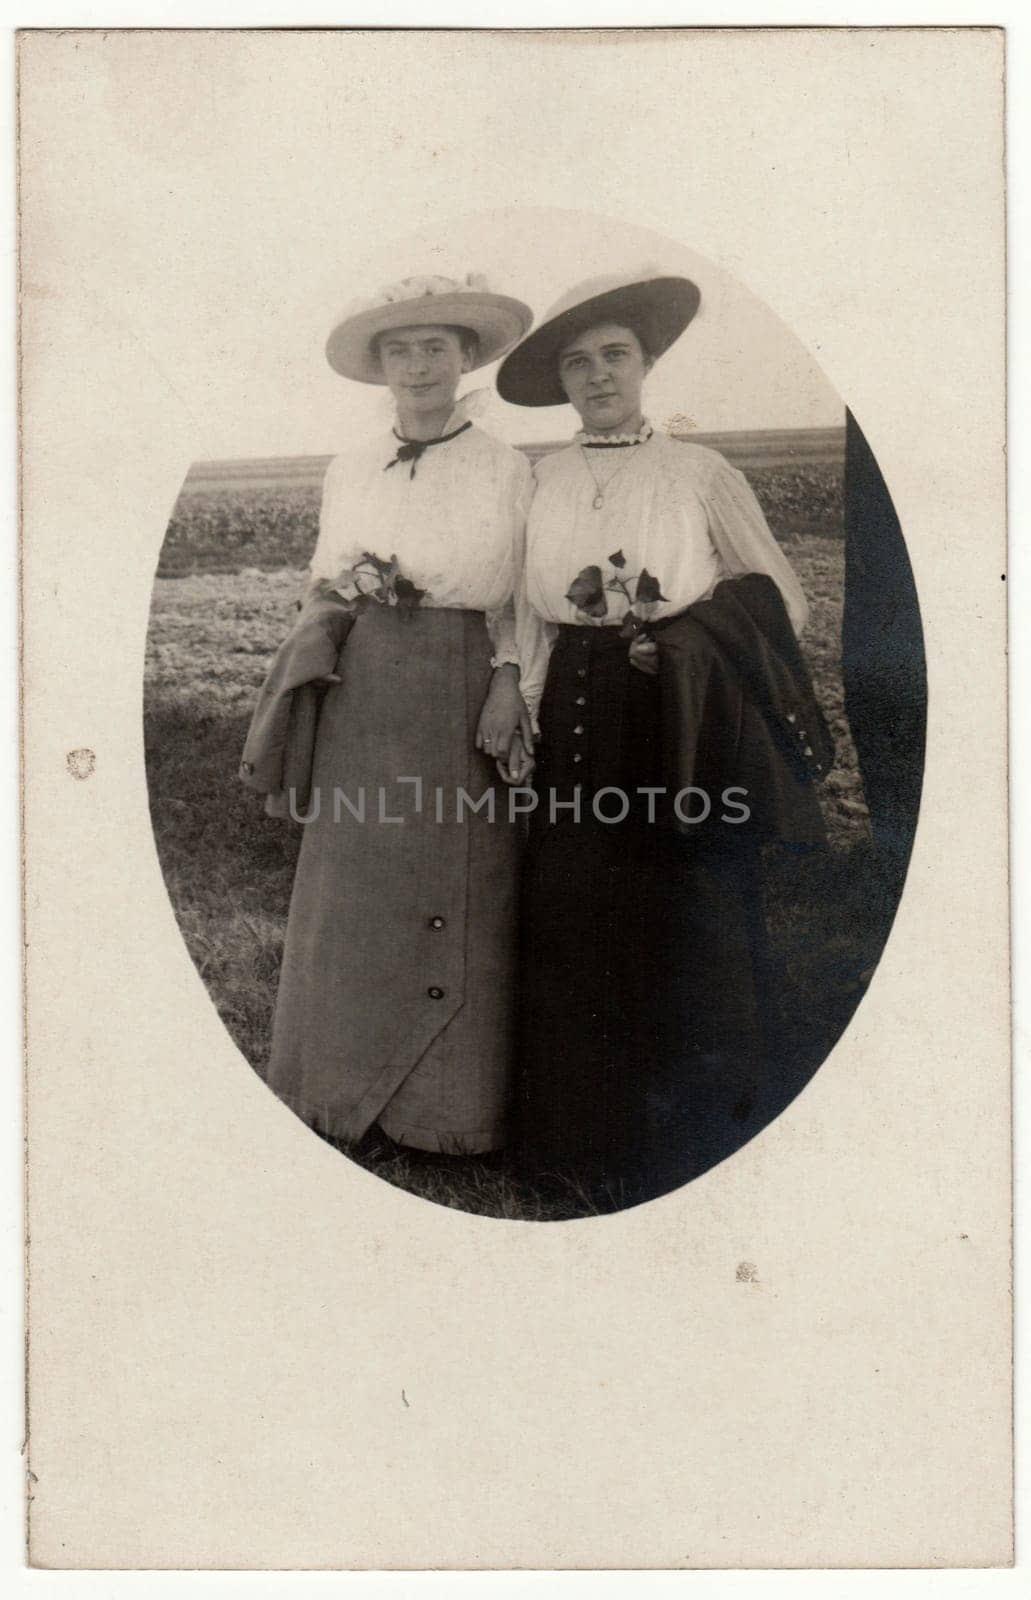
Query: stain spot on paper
{"type": "Point", "coordinates": [81, 763]}
{"type": "Point", "coordinates": [747, 1272]}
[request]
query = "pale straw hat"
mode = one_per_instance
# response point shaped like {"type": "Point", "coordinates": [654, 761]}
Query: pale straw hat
{"type": "Point", "coordinates": [496, 320]}
{"type": "Point", "coordinates": [655, 307]}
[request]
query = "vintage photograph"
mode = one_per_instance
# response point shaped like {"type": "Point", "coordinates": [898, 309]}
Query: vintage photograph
{"type": "Point", "coordinates": [534, 749]}
{"type": "Point", "coordinates": [514, 588]}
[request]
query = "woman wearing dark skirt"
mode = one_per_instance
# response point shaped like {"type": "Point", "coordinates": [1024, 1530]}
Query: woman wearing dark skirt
{"type": "Point", "coordinates": [642, 943]}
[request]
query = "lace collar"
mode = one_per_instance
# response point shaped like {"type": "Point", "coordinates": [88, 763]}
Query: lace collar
{"type": "Point", "coordinates": [614, 441]}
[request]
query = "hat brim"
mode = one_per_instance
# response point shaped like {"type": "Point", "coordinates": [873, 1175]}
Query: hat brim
{"type": "Point", "coordinates": [658, 309]}
{"type": "Point", "coordinates": [497, 321]}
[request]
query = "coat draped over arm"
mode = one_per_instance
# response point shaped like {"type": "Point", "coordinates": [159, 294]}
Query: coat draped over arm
{"type": "Point", "coordinates": [739, 709]}
{"type": "Point", "coordinates": [279, 751]}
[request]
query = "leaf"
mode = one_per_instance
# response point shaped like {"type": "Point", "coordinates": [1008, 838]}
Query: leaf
{"type": "Point", "coordinates": [386, 570]}
{"type": "Point", "coordinates": [408, 596]}
{"type": "Point", "coordinates": [617, 560]}
{"type": "Point", "coordinates": [633, 624]}
{"type": "Point", "coordinates": [648, 587]}
{"type": "Point", "coordinates": [587, 593]}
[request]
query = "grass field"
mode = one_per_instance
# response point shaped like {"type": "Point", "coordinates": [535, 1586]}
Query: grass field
{"type": "Point", "coordinates": [229, 868]}
{"type": "Point", "coordinates": [224, 520]}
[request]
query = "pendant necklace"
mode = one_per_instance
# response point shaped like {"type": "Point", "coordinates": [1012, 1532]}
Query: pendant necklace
{"type": "Point", "coordinates": [623, 444]}
{"type": "Point", "coordinates": [601, 488]}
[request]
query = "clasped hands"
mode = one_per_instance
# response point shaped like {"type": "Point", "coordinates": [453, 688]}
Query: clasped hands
{"type": "Point", "coordinates": [504, 731]}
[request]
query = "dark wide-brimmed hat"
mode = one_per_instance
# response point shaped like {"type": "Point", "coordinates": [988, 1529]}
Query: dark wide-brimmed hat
{"type": "Point", "coordinates": [656, 308]}
{"type": "Point", "coordinates": [496, 319]}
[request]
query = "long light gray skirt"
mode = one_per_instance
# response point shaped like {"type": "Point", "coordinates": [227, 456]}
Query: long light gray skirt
{"type": "Point", "coordinates": [396, 996]}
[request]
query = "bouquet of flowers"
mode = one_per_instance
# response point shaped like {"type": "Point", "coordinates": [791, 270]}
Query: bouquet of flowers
{"type": "Point", "coordinates": [382, 582]}
{"type": "Point", "coordinates": [590, 588]}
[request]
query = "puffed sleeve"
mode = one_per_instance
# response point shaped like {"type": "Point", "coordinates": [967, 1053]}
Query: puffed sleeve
{"type": "Point", "coordinates": [534, 636]}
{"type": "Point", "coordinates": [517, 633]}
{"type": "Point", "coordinates": [500, 621]}
{"type": "Point", "coordinates": [744, 541]}
{"type": "Point", "coordinates": [324, 563]}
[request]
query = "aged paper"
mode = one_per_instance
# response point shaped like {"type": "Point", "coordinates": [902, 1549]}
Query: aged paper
{"type": "Point", "coordinates": [245, 1352]}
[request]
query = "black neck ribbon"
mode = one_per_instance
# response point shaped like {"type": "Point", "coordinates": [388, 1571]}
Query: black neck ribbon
{"type": "Point", "coordinates": [412, 449]}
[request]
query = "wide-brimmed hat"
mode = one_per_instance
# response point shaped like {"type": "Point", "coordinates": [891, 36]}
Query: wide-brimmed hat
{"type": "Point", "coordinates": [656, 308]}
{"type": "Point", "coordinates": [496, 319]}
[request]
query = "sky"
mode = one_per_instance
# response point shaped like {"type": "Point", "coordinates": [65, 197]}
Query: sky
{"type": "Point", "coordinates": [736, 367]}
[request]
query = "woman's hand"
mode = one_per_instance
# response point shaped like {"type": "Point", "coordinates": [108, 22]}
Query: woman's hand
{"type": "Point", "coordinates": [518, 769]}
{"type": "Point", "coordinates": [504, 714]}
{"type": "Point", "coordinates": [644, 655]}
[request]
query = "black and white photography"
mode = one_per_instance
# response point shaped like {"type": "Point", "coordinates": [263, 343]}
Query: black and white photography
{"type": "Point", "coordinates": [535, 714]}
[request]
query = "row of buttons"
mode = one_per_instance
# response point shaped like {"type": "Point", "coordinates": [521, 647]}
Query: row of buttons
{"type": "Point", "coordinates": [581, 700]}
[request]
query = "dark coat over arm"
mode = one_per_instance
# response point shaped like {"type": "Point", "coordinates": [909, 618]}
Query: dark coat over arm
{"type": "Point", "coordinates": [739, 709]}
{"type": "Point", "coordinates": [280, 746]}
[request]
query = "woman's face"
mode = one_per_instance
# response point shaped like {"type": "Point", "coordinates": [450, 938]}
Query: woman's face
{"type": "Point", "coordinates": [601, 372]}
{"type": "Point", "coordinates": [422, 367]}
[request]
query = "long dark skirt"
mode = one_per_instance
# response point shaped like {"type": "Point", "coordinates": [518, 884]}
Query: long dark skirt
{"type": "Point", "coordinates": [642, 950]}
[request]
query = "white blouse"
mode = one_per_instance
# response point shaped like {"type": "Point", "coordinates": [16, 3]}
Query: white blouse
{"type": "Point", "coordinates": [456, 526]}
{"type": "Point", "coordinates": [676, 510]}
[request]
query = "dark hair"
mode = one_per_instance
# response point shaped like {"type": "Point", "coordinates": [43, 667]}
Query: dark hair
{"type": "Point", "coordinates": [469, 341]}
{"type": "Point", "coordinates": [578, 329]}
